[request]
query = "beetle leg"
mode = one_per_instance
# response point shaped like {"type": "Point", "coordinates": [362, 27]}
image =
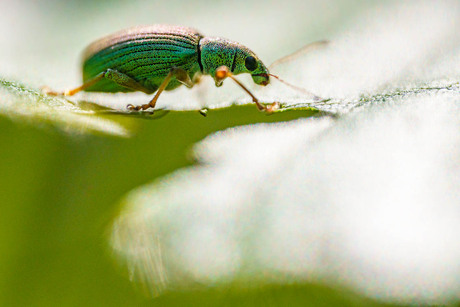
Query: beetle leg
{"type": "Point", "coordinates": [183, 77]}
{"type": "Point", "coordinates": [110, 74]}
{"type": "Point", "coordinates": [125, 81]}
{"type": "Point", "coordinates": [180, 74]}
{"type": "Point", "coordinates": [223, 72]}
{"type": "Point", "coordinates": [71, 92]}
{"type": "Point", "coordinates": [197, 78]}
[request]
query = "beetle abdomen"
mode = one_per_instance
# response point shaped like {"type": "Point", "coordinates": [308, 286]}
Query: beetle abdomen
{"type": "Point", "coordinates": [145, 54]}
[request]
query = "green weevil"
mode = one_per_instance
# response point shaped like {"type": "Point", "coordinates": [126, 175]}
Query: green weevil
{"type": "Point", "coordinates": [162, 57]}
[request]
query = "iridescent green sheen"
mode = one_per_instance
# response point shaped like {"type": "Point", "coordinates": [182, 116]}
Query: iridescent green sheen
{"type": "Point", "coordinates": [147, 54]}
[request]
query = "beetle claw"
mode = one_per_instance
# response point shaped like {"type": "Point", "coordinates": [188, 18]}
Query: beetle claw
{"type": "Point", "coordinates": [48, 91]}
{"type": "Point", "coordinates": [133, 108]}
{"type": "Point", "coordinates": [138, 108]}
{"type": "Point", "coordinates": [272, 107]}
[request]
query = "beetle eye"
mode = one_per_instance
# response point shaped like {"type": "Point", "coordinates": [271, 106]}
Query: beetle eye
{"type": "Point", "coordinates": [250, 63]}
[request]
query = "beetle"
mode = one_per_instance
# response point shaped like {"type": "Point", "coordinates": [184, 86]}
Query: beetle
{"type": "Point", "coordinates": [162, 57]}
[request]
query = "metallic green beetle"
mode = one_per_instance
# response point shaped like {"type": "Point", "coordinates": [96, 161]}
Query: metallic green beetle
{"type": "Point", "coordinates": [161, 57]}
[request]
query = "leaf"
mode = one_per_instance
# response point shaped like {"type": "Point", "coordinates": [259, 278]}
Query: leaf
{"type": "Point", "coordinates": [304, 199]}
{"type": "Point", "coordinates": [23, 103]}
{"type": "Point", "coordinates": [59, 194]}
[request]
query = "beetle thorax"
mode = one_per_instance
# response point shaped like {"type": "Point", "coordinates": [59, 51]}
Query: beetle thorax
{"type": "Point", "coordinates": [216, 52]}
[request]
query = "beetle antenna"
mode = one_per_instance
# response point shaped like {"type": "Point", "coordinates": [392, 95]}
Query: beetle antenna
{"type": "Point", "coordinates": [297, 54]}
{"type": "Point", "coordinates": [297, 88]}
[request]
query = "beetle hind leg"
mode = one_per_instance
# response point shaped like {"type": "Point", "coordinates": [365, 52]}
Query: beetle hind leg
{"type": "Point", "coordinates": [72, 92]}
{"type": "Point", "coordinates": [110, 74]}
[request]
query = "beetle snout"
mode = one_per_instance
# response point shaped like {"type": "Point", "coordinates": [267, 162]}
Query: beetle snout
{"type": "Point", "coordinates": [261, 79]}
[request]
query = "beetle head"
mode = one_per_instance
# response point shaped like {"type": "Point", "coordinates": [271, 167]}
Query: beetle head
{"type": "Point", "coordinates": [216, 52]}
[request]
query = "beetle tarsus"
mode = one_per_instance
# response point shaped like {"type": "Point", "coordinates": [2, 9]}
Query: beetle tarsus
{"type": "Point", "coordinates": [142, 107]}
{"type": "Point", "coordinates": [48, 91]}
{"type": "Point", "coordinates": [272, 107]}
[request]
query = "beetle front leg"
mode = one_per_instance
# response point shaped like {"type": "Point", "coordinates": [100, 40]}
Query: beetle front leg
{"type": "Point", "coordinates": [223, 72]}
